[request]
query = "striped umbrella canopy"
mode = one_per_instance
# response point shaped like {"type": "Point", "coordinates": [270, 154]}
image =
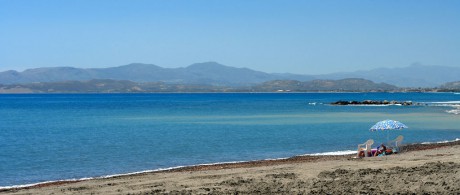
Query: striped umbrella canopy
{"type": "Point", "coordinates": [387, 125]}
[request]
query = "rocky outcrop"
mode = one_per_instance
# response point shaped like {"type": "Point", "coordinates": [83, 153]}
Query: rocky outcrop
{"type": "Point", "coordinates": [373, 102]}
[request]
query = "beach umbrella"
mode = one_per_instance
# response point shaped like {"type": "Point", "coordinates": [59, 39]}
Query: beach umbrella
{"type": "Point", "coordinates": [388, 125]}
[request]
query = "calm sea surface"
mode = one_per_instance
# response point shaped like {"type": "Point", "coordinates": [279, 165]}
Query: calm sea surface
{"type": "Point", "coordinates": [64, 136]}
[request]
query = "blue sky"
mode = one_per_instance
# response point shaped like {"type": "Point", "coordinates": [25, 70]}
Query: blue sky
{"type": "Point", "coordinates": [307, 37]}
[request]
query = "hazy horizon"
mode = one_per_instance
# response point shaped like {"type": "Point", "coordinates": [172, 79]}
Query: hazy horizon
{"type": "Point", "coordinates": [350, 71]}
{"type": "Point", "coordinates": [302, 37]}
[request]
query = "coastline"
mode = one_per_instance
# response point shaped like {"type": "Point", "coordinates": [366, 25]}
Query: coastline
{"type": "Point", "coordinates": [432, 150]}
{"type": "Point", "coordinates": [28, 174]}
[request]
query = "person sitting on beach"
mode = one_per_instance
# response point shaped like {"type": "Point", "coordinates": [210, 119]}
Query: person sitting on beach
{"type": "Point", "coordinates": [361, 153]}
{"type": "Point", "coordinates": [380, 150]}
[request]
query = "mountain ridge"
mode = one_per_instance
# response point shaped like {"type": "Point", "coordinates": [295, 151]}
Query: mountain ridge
{"type": "Point", "coordinates": [415, 75]}
{"type": "Point", "coordinates": [213, 73]}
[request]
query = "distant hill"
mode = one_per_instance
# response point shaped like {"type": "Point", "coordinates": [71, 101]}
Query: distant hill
{"type": "Point", "coordinates": [451, 86]}
{"type": "Point", "coordinates": [122, 86]}
{"type": "Point", "coordinates": [215, 74]}
{"type": "Point", "coordinates": [209, 73]}
{"type": "Point", "coordinates": [351, 84]}
{"type": "Point", "coordinates": [107, 86]}
{"type": "Point", "coordinates": [411, 76]}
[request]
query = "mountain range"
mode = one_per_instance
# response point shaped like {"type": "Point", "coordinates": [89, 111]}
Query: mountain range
{"type": "Point", "coordinates": [215, 74]}
{"type": "Point", "coordinates": [415, 75]}
{"type": "Point", "coordinates": [209, 73]}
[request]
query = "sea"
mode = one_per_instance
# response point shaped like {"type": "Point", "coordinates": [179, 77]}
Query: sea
{"type": "Point", "coordinates": [54, 137]}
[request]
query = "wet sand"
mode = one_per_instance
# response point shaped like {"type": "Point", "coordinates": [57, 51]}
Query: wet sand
{"type": "Point", "coordinates": [419, 168]}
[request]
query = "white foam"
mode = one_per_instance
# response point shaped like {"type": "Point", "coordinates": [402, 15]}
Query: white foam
{"type": "Point", "coordinates": [456, 111]}
{"type": "Point", "coordinates": [447, 102]}
{"type": "Point", "coordinates": [442, 142]}
{"type": "Point", "coordinates": [122, 174]}
{"type": "Point", "coordinates": [87, 178]}
{"type": "Point", "coordinates": [40, 183]}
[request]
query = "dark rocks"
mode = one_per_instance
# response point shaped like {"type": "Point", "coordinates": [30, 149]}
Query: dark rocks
{"type": "Point", "coordinates": [373, 102]}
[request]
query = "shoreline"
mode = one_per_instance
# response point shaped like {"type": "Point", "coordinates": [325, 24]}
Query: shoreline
{"type": "Point", "coordinates": [300, 159]}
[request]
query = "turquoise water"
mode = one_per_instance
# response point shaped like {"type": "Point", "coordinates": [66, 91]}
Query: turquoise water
{"type": "Point", "coordinates": [51, 137]}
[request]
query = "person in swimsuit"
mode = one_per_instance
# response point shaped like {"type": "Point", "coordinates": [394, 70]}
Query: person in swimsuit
{"type": "Point", "coordinates": [380, 150]}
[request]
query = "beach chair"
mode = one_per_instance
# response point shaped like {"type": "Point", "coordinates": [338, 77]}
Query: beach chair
{"type": "Point", "coordinates": [366, 148]}
{"type": "Point", "coordinates": [396, 144]}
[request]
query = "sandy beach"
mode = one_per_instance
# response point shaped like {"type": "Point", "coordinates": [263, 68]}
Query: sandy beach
{"type": "Point", "coordinates": [420, 168]}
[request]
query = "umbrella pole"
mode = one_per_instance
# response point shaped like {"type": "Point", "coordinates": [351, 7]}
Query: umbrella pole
{"type": "Point", "coordinates": [388, 137]}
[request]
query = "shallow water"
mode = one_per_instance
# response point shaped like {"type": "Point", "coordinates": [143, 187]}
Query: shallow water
{"type": "Point", "coordinates": [62, 136]}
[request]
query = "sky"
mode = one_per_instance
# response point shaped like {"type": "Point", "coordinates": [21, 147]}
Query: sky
{"type": "Point", "coordinates": [275, 36]}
